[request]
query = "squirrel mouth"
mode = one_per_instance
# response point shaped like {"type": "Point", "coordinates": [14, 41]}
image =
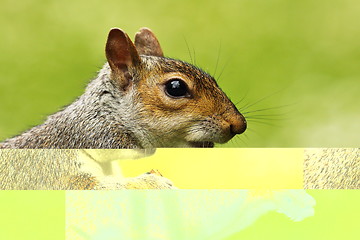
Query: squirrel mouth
{"type": "Point", "coordinates": [202, 144]}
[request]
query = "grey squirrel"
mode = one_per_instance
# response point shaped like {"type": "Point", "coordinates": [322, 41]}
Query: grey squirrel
{"type": "Point", "coordinates": [140, 99]}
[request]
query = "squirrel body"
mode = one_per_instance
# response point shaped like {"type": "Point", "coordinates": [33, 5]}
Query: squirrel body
{"type": "Point", "coordinates": [72, 169]}
{"type": "Point", "coordinates": [139, 101]}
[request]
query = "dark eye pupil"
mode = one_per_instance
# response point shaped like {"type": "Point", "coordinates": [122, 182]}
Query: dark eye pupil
{"type": "Point", "coordinates": [176, 88]}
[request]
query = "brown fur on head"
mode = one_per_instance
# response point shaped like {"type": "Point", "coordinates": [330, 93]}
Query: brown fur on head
{"type": "Point", "coordinates": [182, 105]}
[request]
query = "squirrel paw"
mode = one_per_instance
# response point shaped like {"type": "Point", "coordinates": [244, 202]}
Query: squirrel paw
{"type": "Point", "coordinates": [155, 171]}
{"type": "Point", "coordinates": [150, 180]}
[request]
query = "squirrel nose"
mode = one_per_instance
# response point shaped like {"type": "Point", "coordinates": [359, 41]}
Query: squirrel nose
{"type": "Point", "coordinates": [238, 124]}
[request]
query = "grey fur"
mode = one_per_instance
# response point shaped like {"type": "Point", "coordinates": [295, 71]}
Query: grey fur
{"type": "Point", "coordinates": [332, 168]}
{"type": "Point", "coordinates": [95, 120]}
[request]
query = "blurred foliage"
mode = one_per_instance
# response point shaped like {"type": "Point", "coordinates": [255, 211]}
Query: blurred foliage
{"type": "Point", "coordinates": [335, 217]}
{"type": "Point", "coordinates": [298, 60]}
{"type": "Point", "coordinates": [179, 215]}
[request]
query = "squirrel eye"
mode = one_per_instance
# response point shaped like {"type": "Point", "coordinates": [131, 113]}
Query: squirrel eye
{"type": "Point", "coordinates": [176, 88]}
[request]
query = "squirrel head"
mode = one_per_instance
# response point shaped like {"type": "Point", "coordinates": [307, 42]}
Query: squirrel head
{"type": "Point", "coordinates": [181, 105]}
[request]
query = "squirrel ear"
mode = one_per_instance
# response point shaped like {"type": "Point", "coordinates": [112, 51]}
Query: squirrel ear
{"type": "Point", "coordinates": [147, 44]}
{"type": "Point", "coordinates": [121, 54]}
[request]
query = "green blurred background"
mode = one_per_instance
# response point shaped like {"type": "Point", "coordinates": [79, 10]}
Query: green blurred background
{"type": "Point", "coordinates": [303, 57]}
{"type": "Point", "coordinates": [32, 215]}
{"type": "Point", "coordinates": [37, 215]}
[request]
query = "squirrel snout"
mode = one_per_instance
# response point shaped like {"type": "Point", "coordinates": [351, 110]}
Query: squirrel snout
{"type": "Point", "coordinates": [237, 124]}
